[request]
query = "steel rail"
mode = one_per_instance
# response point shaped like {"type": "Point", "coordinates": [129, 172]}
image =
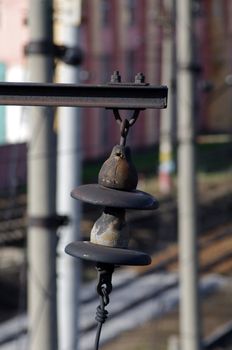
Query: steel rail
{"type": "Point", "coordinates": [121, 96]}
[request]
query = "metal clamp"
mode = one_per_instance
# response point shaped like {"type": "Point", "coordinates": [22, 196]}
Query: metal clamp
{"type": "Point", "coordinates": [104, 285]}
{"type": "Point", "coordinates": [53, 221]}
{"type": "Point", "coordinates": [69, 55]}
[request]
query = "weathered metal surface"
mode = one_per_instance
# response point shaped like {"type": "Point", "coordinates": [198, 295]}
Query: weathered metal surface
{"type": "Point", "coordinates": [118, 171]}
{"type": "Point", "coordinates": [123, 96]}
{"type": "Point", "coordinates": [125, 124]}
{"type": "Point", "coordinates": [107, 197]}
{"type": "Point", "coordinates": [99, 253]}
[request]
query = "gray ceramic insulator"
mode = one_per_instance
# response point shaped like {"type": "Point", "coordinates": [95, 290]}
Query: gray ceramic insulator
{"type": "Point", "coordinates": [111, 229]}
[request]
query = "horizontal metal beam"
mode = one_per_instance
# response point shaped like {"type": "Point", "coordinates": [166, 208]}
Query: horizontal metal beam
{"type": "Point", "coordinates": [123, 96]}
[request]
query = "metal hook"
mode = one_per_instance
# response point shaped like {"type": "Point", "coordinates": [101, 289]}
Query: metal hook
{"type": "Point", "coordinates": [125, 124]}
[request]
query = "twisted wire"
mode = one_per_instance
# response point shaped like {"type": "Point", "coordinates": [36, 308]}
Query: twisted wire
{"type": "Point", "coordinates": [101, 314]}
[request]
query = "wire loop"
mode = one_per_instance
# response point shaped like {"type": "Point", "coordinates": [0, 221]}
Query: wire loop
{"type": "Point", "coordinates": [101, 314]}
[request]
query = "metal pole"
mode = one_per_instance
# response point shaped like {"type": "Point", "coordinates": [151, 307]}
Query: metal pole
{"type": "Point", "coordinates": [69, 177]}
{"type": "Point", "coordinates": [41, 188]}
{"type": "Point", "coordinates": [168, 116]}
{"type": "Point", "coordinates": [187, 217]}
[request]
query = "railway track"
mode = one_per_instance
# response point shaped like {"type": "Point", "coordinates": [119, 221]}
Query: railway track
{"type": "Point", "coordinates": [152, 290]}
{"type": "Point", "coordinates": [215, 254]}
{"type": "Point", "coordinates": [12, 219]}
{"type": "Point", "coordinates": [131, 305]}
{"type": "Point", "coordinates": [215, 246]}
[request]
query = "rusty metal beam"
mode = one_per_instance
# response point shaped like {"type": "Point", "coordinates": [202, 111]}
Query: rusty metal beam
{"type": "Point", "coordinates": [122, 96]}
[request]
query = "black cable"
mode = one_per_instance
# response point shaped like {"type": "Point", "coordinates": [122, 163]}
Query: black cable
{"type": "Point", "coordinates": [101, 316]}
{"type": "Point", "coordinates": [96, 345]}
{"type": "Point", "coordinates": [104, 288]}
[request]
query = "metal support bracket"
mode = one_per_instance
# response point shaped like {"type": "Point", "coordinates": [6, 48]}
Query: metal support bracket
{"type": "Point", "coordinates": [53, 221]}
{"type": "Point", "coordinates": [69, 55]}
{"type": "Point", "coordinates": [121, 96]}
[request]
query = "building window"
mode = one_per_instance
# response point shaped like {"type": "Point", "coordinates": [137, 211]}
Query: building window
{"type": "Point", "coordinates": [105, 12]}
{"type": "Point", "coordinates": [131, 7]}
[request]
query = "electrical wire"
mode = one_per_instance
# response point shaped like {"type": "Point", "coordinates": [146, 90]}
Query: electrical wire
{"type": "Point", "coordinates": [104, 288]}
{"type": "Point", "coordinates": [101, 317]}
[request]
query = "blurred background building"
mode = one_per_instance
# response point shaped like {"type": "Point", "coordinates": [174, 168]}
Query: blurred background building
{"type": "Point", "coordinates": [126, 35]}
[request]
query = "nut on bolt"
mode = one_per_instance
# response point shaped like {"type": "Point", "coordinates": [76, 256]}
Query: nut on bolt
{"type": "Point", "coordinates": [140, 78]}
{"type": "Point", "coordinates": [115, 77]}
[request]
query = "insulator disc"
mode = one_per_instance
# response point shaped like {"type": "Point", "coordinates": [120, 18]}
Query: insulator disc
{"type": "Point", "coordinates": [108, 197]}
{"type": "Point", "coordinates": [102, 254]}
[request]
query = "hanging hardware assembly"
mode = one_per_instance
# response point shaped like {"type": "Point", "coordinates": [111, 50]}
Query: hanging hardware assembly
{"type": "Point", "coordinates": [116, 189]}
{"type": "Point", "coordinates": [115, 192]}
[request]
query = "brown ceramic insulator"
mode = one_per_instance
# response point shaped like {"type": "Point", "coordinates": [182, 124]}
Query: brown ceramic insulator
{"type": "Point", "coordinates": [118, 171]}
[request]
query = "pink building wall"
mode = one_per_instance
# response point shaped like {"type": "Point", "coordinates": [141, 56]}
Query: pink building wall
{"type": "Point", "coordinates": [13, 31]}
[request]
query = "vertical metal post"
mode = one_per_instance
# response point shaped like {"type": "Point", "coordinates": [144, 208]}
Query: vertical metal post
{"type": "Point", "coordinates": [168, 116]}
{"type": "Point", "coordinates": [187, 217]}
{"type": "Point", "coordinates": [41, 188]}
{"type": "Point", "coordinates": [68, 177]}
